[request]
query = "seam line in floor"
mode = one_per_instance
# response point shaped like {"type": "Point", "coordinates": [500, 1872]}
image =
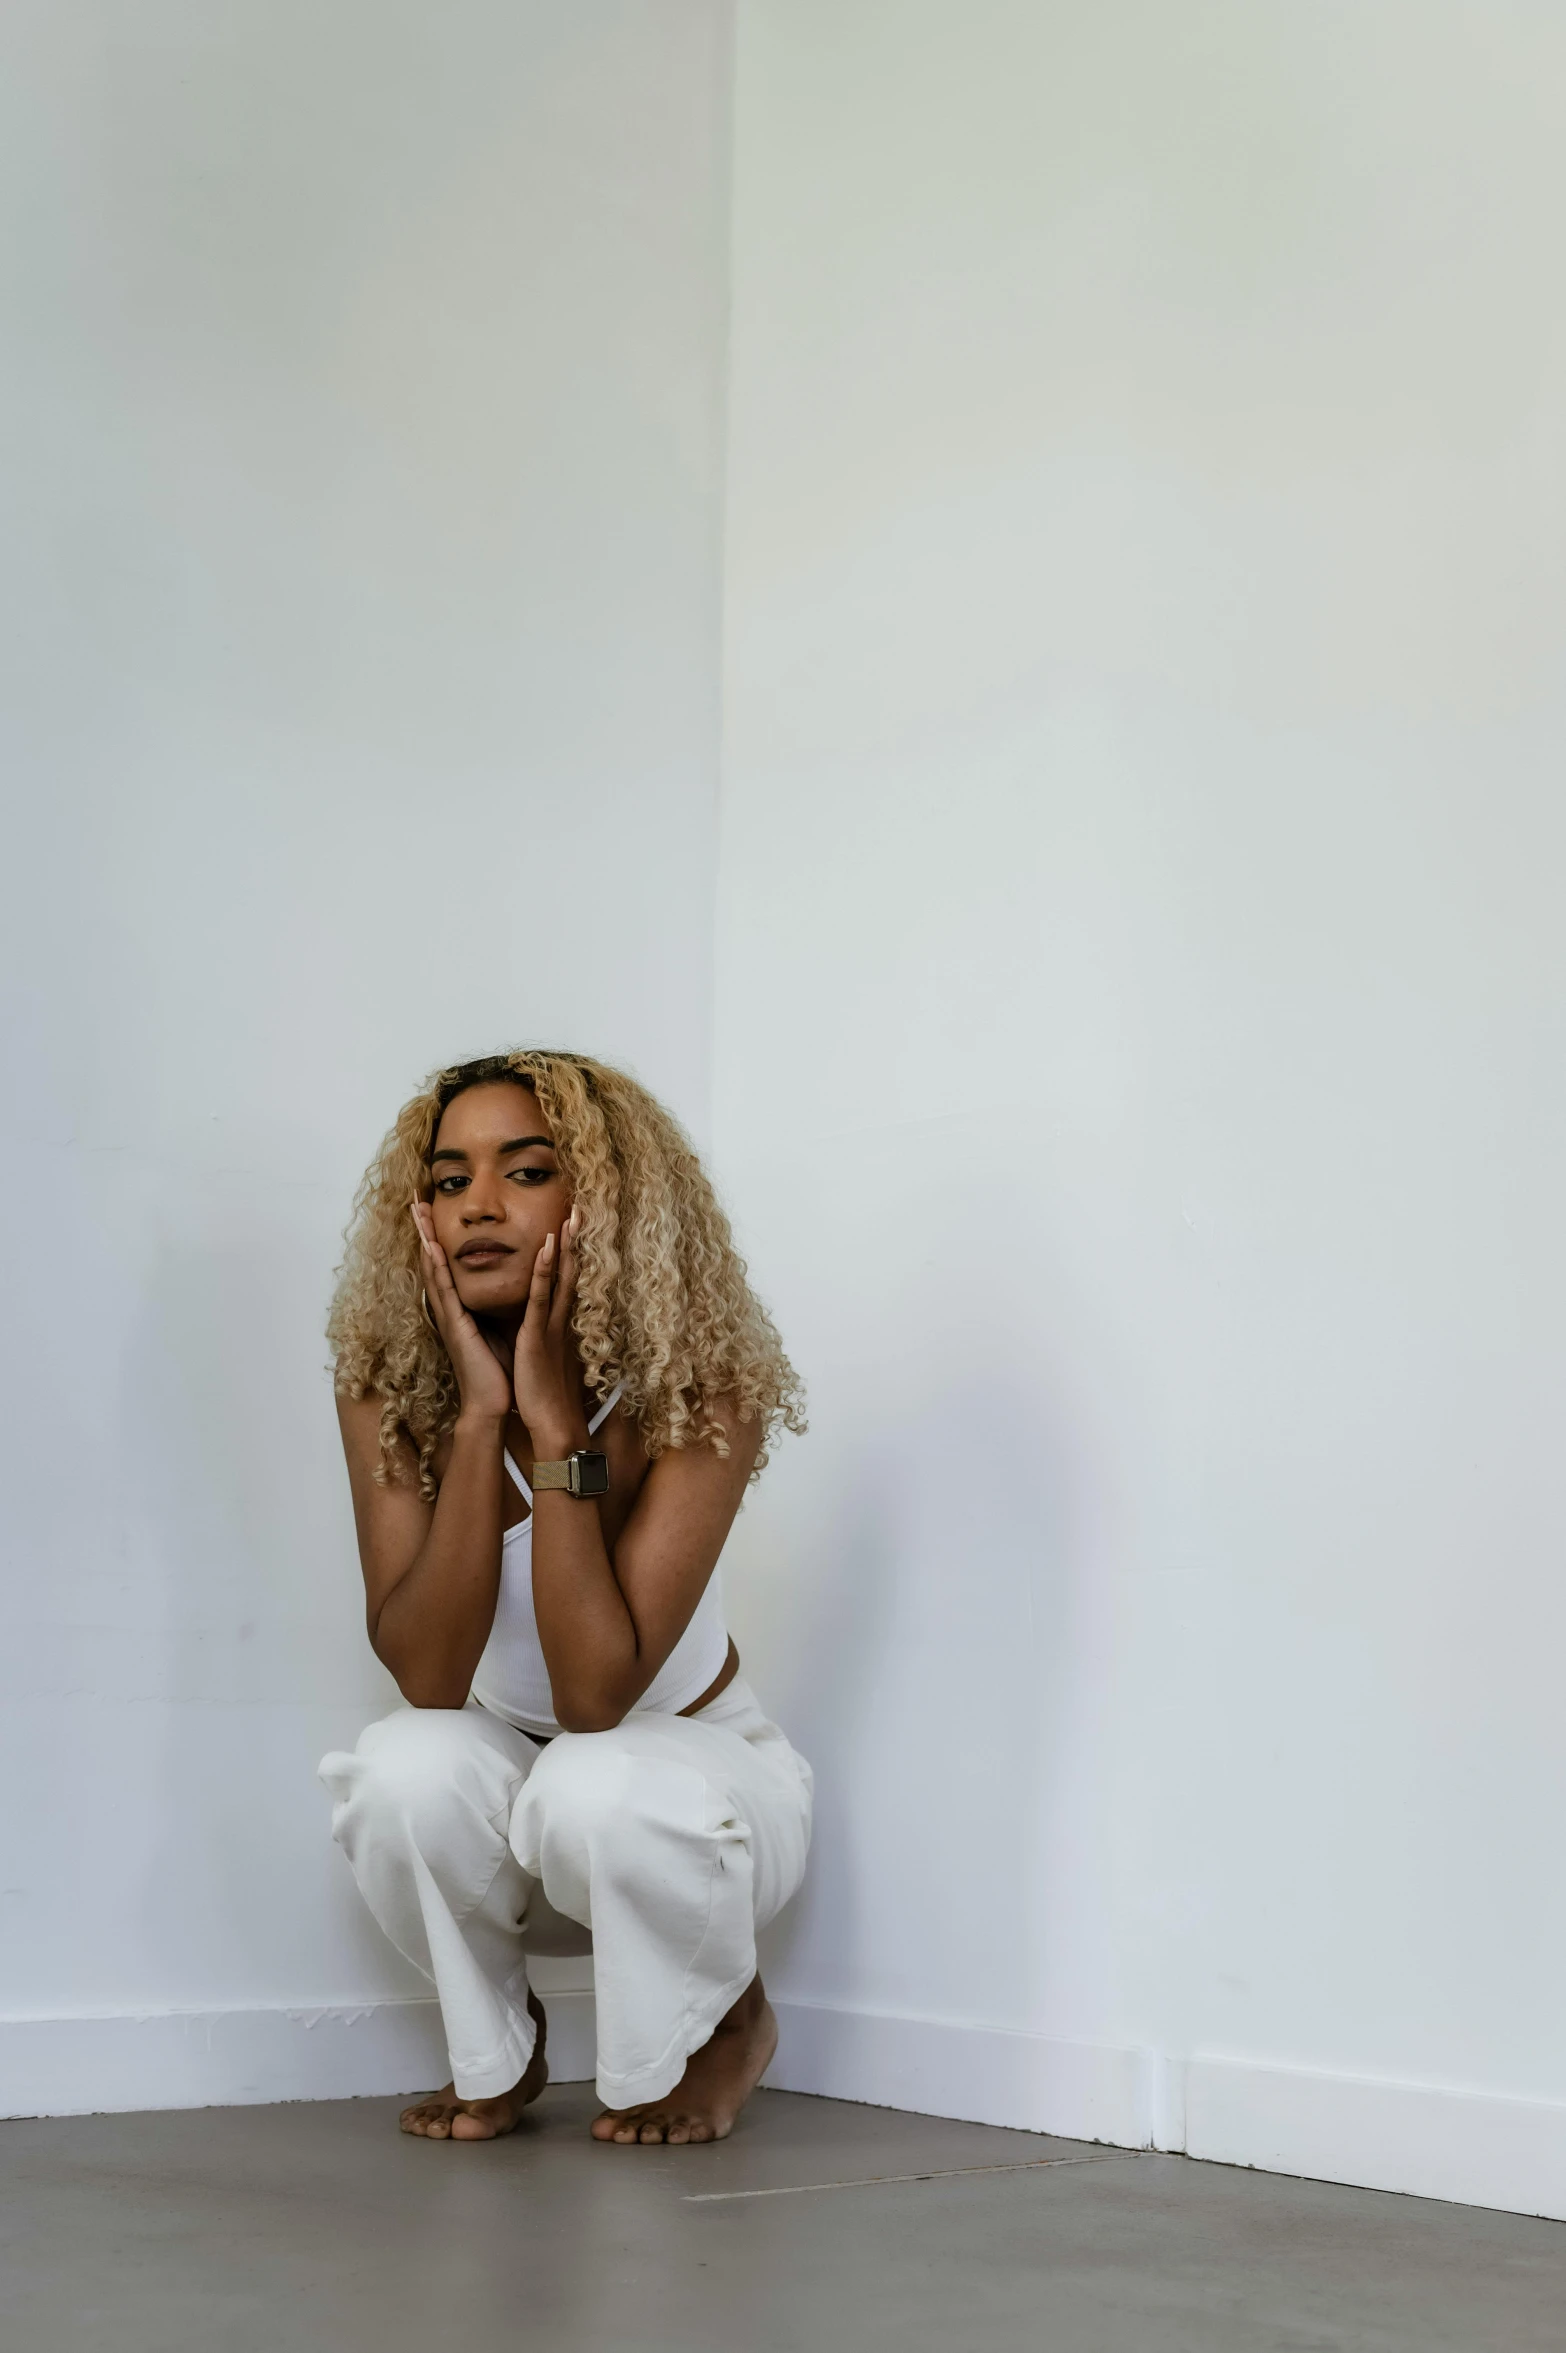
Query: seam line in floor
{"type": "Point", "coordinates": [871, 2181]}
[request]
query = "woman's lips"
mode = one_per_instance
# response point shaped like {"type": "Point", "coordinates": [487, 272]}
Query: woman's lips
{"type": "Point", "coordinates": [484, 1254]}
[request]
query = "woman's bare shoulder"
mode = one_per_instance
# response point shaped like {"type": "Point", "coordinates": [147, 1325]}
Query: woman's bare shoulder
{"type": "Point", "coordinates": [744, 1436]}
{"type": "Point", "coordinates": [359, 1419]}
{"type": "Point", "coordinates": [699, 1466]}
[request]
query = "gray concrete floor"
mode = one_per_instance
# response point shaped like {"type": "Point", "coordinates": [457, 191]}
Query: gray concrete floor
{"type": "Point", "coordinates": [321, 2229]}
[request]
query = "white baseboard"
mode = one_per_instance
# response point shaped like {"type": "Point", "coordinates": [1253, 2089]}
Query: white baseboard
{"type": "Point", "coordinates": [88, 2065]}
{"type": "Point", "coordinates": [1427, 2140]}
{"type": "Point", "coordinates": [986, 2075]}
{"type": "Point", "coordinates": [1430, 2141]}
{"type": "Point", "coordinates": [92, 2065]}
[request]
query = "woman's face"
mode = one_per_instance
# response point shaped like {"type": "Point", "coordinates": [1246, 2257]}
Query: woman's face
{"type": "Point", "coordinates": [498, 1191]}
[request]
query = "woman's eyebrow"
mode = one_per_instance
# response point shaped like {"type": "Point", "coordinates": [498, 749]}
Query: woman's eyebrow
{"type": "Point", "coordinates": [517, 1144]}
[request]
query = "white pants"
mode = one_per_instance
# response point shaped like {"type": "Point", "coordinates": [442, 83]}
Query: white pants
{"type": "Point", "coordinates": [671, 1838]}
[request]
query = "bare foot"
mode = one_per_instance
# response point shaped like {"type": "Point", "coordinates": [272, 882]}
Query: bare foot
{"type": "Point", "coordinates": [444, 2116]}
{"type": "Point", "coordinates": [718, 2080]}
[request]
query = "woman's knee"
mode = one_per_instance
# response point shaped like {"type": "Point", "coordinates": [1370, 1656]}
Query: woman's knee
{"type": "Point", "coordinates": [581, 1786]}
{"type": "Point", "coordinates": [596, 1796]}
{"type": "Point", "coordinates": [409, 1777]}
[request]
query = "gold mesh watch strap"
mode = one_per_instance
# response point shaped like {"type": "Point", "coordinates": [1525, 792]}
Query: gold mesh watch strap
{"type": "Point", "coordinates": [584, 1473]}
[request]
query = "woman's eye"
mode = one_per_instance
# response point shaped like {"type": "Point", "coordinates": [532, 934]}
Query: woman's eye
{"type": "Point", "coordinates": [533, 1176]}
{"type": "Point", "coordinates": [450, 1184]}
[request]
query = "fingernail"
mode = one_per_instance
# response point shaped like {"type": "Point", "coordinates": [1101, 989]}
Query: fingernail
{"type": "Point", "coordinates": [549, 1245]}
{"type": "Point", "coordinates": [576, 1223]}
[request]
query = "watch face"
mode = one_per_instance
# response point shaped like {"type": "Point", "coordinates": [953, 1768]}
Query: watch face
{"type": "Point", "coordinates": [590, 1473]}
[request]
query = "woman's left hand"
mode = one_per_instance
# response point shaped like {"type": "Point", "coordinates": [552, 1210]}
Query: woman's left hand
{"type": "Point", "coordinates": [546, 1375]}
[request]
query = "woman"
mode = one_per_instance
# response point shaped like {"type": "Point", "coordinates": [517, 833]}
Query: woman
{"type": "Point", "coordinates": [554, 1386]}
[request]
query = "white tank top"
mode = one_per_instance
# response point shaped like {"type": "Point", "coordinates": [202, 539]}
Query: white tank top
{"type": "Point", "coordinates": [512, 1680]}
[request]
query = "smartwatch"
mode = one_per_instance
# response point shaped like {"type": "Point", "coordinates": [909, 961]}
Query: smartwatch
{"type": "Point", "coordinates": [582, 1473]}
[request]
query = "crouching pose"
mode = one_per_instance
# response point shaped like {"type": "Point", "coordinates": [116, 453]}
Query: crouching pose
{"type": "Point", "coordinates": [554, 1385]}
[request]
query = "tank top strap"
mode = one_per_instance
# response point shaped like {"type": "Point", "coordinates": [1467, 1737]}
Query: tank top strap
{"type": "Point", "coordinates": [602, 1415]}
{"type": "Point", "coordinates": [606, 1409]}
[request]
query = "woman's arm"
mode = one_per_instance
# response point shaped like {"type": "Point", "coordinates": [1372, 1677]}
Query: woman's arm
{"type": "Point", "coordinates": [606, 1624]}
{"type": "Point", "coordinates": [431, 1571]}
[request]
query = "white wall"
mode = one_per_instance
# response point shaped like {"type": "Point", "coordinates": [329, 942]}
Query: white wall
{"type": "Point", "coordinates": [360, 467]}
{"type": "Point", "coordinates": [1140, 1005]}
{"type": "Point", "coordinates": [1142, 994]}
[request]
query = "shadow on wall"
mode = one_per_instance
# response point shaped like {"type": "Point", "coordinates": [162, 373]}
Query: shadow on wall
{"type": "Point", "coordinates": [824, 1713]}
{"type": "Point", "coordinates": [929, 1675]}
{"type": "Point", "coordinates": [245, 1582]}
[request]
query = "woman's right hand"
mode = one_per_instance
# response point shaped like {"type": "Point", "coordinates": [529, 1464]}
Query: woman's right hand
{"type": "Point", "coordinates": [483, 1375]}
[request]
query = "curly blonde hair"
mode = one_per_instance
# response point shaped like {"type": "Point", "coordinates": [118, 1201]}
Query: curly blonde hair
{"type": "Point", "coordinates": [662, 1305]}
